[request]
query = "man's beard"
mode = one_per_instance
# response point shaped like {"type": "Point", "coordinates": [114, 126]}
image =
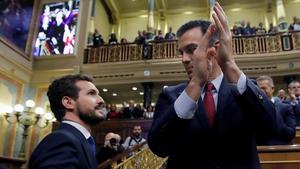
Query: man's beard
{"type": "Point", "coordinates": [90, 119]}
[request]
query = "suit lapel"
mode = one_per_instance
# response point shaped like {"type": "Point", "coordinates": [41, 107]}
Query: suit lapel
{"type": "Point", "coordinates": [89, 154]}
{"type": "Point", "coordinates": [223, 94]}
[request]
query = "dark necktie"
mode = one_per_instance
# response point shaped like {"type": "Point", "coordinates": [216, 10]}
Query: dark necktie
{"type": "Point", "coordinates": [209, 103]}
{"type": "Point", "coordinates": [92, 144]}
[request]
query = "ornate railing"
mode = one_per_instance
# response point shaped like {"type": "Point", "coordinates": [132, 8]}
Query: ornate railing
{"type": "Point", "coordinates": [137, 157]}
{"type": "Point", "coordinates": [242, 45]}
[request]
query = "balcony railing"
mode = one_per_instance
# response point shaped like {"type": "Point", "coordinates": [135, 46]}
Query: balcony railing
{"type": "Point", "coordinates": [242, 45]}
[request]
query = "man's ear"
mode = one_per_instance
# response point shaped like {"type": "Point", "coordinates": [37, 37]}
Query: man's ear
{"type": "Point", "coordinates": [67, 102]}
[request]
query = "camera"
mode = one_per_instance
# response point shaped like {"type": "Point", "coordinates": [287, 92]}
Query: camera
{"type": "Point", "coordinates": [113, 142]}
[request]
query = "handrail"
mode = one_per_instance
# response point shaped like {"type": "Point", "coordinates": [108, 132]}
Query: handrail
{"type": "Point", "coordinates": [279, 148]}
{"type": "Point", "coordinates": [167, 49]}
{"type": "Point", "coordinates": [12, 162]}
{"type": "Point", "coordinates": [121, 156]}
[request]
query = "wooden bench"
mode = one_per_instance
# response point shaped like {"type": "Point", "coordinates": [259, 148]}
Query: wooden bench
{"type": "Point", "coordinates": [11, 163]}
{"type": "Point", "coordinates": [279, 157]}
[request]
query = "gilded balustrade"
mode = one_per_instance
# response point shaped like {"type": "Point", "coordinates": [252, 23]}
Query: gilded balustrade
{"type": "Point", "coordinates": [242, 45]}
{"type": "Point", "coordinates": [141, 160]}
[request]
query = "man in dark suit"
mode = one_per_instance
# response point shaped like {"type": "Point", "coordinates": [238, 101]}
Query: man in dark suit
{"type": "Point", "coordinates": [284, 116]}
{"type": "Point", "coordinates": [294, 99]}
{"type": "Point", "coordinates": [76, 103]}
{"type": "Point", "coordinates": [210, 122]}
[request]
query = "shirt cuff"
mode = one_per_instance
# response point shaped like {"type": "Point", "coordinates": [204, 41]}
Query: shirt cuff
{"type": "Point", "coordinates": [185, 107]}
{"type": "Point", "coordinates": [241, 84]}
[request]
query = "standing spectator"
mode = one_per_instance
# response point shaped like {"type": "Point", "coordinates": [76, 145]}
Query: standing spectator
{"type": "Point", "coordinates": [170, 35]}
{"type": "Point", "coordinates": [131, 111]}
{"type": "Point", "coordinates": [135, 138]}
{"type": "Point", "coordinates": [113, 39]}
{"type": "Point", "coordinates": [284, 116]}
{"type": "Point", "coordinates": [294, 99]}
{"type": "Point", "coordinates": [159, 37]}
{"type": "Point", "coordinates": [260, 30]}
{"type": "Point", "coordinates": [272, 29]}
{"type": "Point", "coordinates": [113, 113]}
{"type": "Point", "coordinates": [148, 114]}
{"type": "Point", "coordinates": [291, 27]}
{"type": "Point", "coordinates": [97, 39]}
{"type": "Point", "coordinates": [281, 94]}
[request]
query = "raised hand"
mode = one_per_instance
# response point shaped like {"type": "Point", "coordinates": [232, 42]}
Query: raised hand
{"type": "Point", "coordinates": [202, 65]}
{"type": "Point", "coordinates": [224, 51]}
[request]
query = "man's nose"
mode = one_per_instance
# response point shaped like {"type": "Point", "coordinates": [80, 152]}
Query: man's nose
{"type": "Point", "coordinates": [186, 57]}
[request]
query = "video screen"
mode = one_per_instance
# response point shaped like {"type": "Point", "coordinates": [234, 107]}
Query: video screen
{"type": "Point", "coordinates": [57, 29]}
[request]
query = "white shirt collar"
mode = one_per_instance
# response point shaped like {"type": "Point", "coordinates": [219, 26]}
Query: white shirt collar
{"type": "Point", "coordinates": [216, 82]}
{"type": "Point", "coordinates": [79, 127]}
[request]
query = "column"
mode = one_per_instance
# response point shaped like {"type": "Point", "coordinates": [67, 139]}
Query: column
{"type": "Point", "coordinates": [147, 93]}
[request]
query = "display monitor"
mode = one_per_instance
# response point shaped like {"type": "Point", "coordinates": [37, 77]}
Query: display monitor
{"type": "Point", "coordinates": [57, 29]}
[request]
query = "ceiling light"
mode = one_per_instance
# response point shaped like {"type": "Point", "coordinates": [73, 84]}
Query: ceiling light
{"type": "Point", "coordinates": [134, 88]}
{"type": "Point", "coordinates": [115, 94]}
{"type": "Point", "coordinates": [143, 16]}
{"type": "Point", "coordinates": [188, 12]}
{"type": "Point", "coordinates": [235, 9]}
{"type": "Point", "coordinates": [104, 90]}
{"type": "Point", "coordinates": [141, 93]}
{"type": "Point", "coordinates": [165, 86]}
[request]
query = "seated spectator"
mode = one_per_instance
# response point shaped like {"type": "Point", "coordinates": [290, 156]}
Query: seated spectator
{"type": "Point", "coordinates": [113, 113]}
{"type": "Point", "coordinates": [248, 29]}
{"type": "Point", "coordinates": [285, 117]}
{"type": "Point", "coordinates": [170, 35]}
{"type": "Point", "coordinates": [135, 138]}
{"type": "Point", "coordinates": [113, 39]}
{"type": "Point", "coordinates": [148, 114]}
{"type": "Point", "coordinates": [97, 39]}
{"type": "Point", "coordinates": [110, 149]}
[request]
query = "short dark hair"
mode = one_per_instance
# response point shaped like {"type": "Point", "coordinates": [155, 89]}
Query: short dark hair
{"type": "Point", "coordinates": [202, 24]}
{"type": "Point", "coordinates": [292, 82]}
{"type": "Point", "coordinates": [64, 86]}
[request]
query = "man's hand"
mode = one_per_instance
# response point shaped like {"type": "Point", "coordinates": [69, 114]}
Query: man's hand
{"type": "Point", "coordinates": [224, 50]}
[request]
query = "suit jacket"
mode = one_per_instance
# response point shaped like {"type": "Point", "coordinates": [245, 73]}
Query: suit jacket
{"type": "Point", "coordinates": [296, 110]}
{"type": "Point", "coordinates": [134, 113]}
{"type": "Point", "coordinates": [65, 148]}
{"type": "Point", "coordinates": [230, 144]}
{"type": "Point", "coordinates": [286, 124]}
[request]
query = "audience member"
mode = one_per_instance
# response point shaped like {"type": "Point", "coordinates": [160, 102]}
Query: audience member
{"type": "Point", "coordinates": [135, 138]}
{"type": "Point", "coordinates": [97, 39]}
{"type": "Point", "coordinates": [110, 149]}
{"type": "Point", "coordinates": [281, 95]}
{"type": "Point", "coordinates": [131, 111]}
{"type": "Point", "coordinates": [113, 39]}
{"type": "Point", "coordinates": [159, 37]}
{"type": "Point", "coordinates": [284, 116]}
{"type": "Point", "coordinates": [76, 103]}
{"type": "Point", "coordinates": [260, 30]}
{"type": "Point", "coordinates": [148, 114]}
{"type": "Point", "coordinates": [294, 99]}
{"type": "Point", "coordinates": [217, 113]}
{"type": "Point", "coordinates": [170, 35]}
{"type": "Point", "coordinates": [113, 113]}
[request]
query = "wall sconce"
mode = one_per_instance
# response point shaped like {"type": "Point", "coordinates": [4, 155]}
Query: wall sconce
{"type": "Point", "coordinates": [26, 117]}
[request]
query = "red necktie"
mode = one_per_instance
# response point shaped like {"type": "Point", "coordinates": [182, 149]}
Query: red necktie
{"type": "Point", "coordinates": [209, 103]}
